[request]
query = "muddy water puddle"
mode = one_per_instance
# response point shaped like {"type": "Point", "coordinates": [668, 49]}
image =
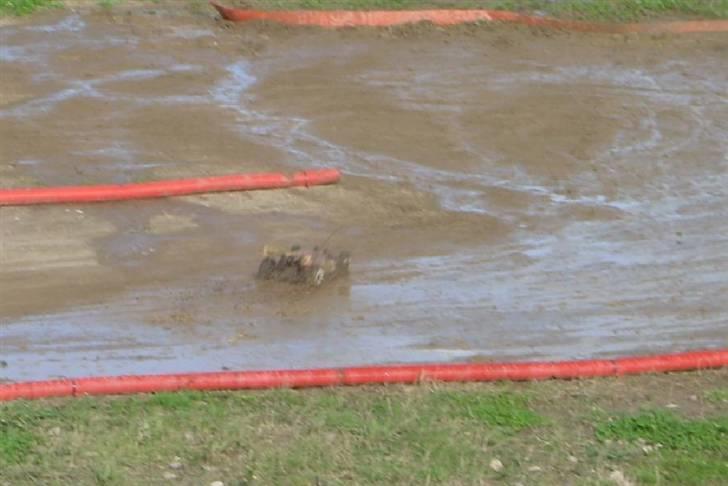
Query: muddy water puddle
{"type": "Point", "coordinates": [506, 195]}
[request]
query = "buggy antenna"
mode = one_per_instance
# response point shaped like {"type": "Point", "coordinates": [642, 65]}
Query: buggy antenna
{"type": "Point", "coordinates": [331, 235]}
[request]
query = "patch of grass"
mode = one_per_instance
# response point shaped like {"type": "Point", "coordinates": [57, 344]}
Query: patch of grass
{"type": "Point", "coordinates": [24, 7]}
{"type": "Point", "coordinates": [433, 433]}
{"type": "Point", "coordinates": [401, 435]}
{"type": "Point", "coordinates": [717, 396]}
{"type": "Point", "coordinates": [15, 444]}
{"type": "Point", "coordinates": [633, 10]}
{"type": "Point", "coordinates": [108, 4]}
{"type": "Point", "coordinates": [600, 10]}
{"type": "Point", "coordinates": [683, 469]}
{"type": "Point", "coordinates": [672, 432]}
{"type": "Point", "coordinates": [18, 437]}
{"type": "Point", "coordinates": [604, 10]}
{"type": "Point", "coordinates": [680, 451]}
{"type": "Point", "coordinates": [503, 410]}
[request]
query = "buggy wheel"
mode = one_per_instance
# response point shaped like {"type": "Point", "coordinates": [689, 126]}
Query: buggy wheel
{"type": "Point", "coordinates": [317, 276]}
{"type": "Point", "coordinates": [342, 263]}
{"type": "Point", "coordinates": [266, 268]}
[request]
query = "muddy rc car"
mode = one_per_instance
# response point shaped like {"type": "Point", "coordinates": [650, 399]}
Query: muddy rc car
{"type": "Point", "coordinates": [302, 267]}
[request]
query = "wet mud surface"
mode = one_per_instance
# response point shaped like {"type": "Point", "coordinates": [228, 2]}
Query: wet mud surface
{"type": "Point", "coordinates": [507, 194]}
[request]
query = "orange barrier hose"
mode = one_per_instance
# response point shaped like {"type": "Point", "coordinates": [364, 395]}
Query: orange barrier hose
{"type": "Point", "coordinates": [386, 18]}
{"type": "Point", "coordinates": [181, 187]}
{"type": "Point", "coordinates": [248, 380]}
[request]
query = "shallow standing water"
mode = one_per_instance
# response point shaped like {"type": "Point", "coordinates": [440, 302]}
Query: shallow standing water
{"type": "Point", "coordinates": [506, 194]}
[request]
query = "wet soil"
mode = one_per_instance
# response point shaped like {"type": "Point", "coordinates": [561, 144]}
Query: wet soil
{"type": "Point", "coordinates": [508, 193]}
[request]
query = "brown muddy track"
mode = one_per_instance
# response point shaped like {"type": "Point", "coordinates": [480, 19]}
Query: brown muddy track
{"type": "Point", "coordinates": [508, 193]}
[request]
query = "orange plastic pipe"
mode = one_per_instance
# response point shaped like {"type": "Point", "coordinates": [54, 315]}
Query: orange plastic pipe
{"type": "Point", "coordinates": [181, 187]}
{"type": "Point", "coordinates": [248, 380]}
{"type": "Point", "coordinates": [386, 18]}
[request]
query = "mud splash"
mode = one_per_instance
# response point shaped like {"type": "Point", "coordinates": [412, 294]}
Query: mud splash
{"type": "Point", "coordinates": [507, 195]}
